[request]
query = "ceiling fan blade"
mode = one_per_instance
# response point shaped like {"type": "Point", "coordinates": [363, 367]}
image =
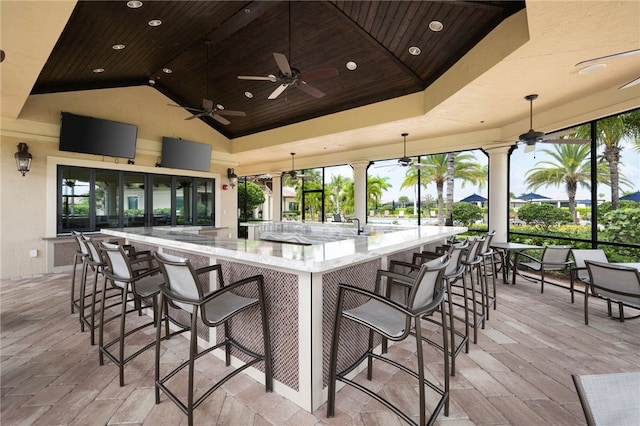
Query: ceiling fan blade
{"type": "Point", "coordinates": [207, 104]}
{"type": "Point", "coordinates": [630, 84]}
{"type": "Point", "coordinates": [277, 92]}
{"type": "Point", "coordinates": [422, 166]}
{"type": "Point", "coordinates": [319, 74]}
{"type": "Point", "coordinates": [560, 133]}
{"type": "Point", "coordinates": [187, 108]}
{"type": "Point", "coordinates": [282, 63]}
{"type": "Point", "coordinates": [604, 58]}
{"type": "Point", "coordinates": [202, 114]}
{"type": "Point", "coordinates": [310, 90]}
{"type": "Point", "coordinates": [271, 78]}
{"type": "Point", "coordinates": [231, 113]}
{"type": "Point", "coordinates": [567, 141]}
{"type": "Point", "coordinates": [220, 119]}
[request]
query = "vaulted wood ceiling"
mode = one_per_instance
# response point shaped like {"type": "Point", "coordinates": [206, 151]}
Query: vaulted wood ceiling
{"type": "Point", "coordinates": [207, 44]}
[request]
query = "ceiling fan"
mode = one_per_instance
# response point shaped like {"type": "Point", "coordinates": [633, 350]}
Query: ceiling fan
{"type": "Point", "coordinates": [405, 161]}
{"type": "Point", "coordinates": [532, 137]}
{"type": "Point", "coordinates": [293, 173]}
{"type": "Point", "coordinates": [289, 76]}
{"type": "Point", "coordinates": [210, 110]}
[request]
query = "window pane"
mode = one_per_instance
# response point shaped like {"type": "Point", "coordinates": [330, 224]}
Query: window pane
{"type": "Point", "coordinates": [134, 194]}
{"type": "Point", "coordinates": [338, 188]}
{"type": "Point", "coordinates": [619, 175]}
{"type": "Point", "coordinates": [161, 200]}
{"type": "Point", "coordinates": [75, 203]}
{"type": "Point", "coordinates": [107, 199]}
{"type": "Point", "coordinates": [204, 194]}
{"type": "Point", "coordinates": [184, 201]}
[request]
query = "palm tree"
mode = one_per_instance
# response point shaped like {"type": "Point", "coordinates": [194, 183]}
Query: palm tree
{"type": "Point", "coordinates": [464, 167]}
{"type": "Point", "coordinates": [336, 193]}
{"type": "Point", "coordinates": [411, 181]}
{"type": "Point", "coordinates": [451, 158]}
{"type": "Point", "coordinates": [611, 132]}
{"type": "Point", "coordinates": [376, 185]}
{"type": "Point", "coordinates": [569, 166]}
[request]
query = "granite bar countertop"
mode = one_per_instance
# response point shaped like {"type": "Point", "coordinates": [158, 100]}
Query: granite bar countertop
{"type": "Point", "coordinates": [320, 257]}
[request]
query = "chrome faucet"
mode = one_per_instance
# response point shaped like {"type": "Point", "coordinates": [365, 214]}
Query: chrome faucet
{"type": "Point", "coordinates": [357, 221]}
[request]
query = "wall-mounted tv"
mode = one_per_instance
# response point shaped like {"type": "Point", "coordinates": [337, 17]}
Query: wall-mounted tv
{"type": "Point", "coordinates": [181, 154]}
{"type": "Point", "coordinates": [97, 136]}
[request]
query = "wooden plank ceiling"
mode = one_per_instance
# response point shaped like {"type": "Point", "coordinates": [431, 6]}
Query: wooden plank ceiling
{"type": "Point", "coordinates": [207, 44]}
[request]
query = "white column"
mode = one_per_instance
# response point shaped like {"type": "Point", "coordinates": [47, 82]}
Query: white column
{"type": "Point", "coordinates": [360, 190]}
{"type": "Point", "coordinates": [276, 196]}
{"type": "Point", "coordinates": [498, 192]}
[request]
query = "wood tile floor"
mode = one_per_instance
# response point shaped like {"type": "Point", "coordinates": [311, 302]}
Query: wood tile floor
{"type": "Point", "coordinates": [519, 372]}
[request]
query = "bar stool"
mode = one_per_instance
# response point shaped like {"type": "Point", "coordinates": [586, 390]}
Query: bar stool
{"type": "Point", "coordinates": [183, 290]}
{"type": "Point", "coordinates": [489, 268]}
{"type": "Point", "coordinates": [474, 309]}
{"type": "Point", "coordinates": [94, 261]}
{"type": "Point", "coordinates": [454, 272]}
{"type": "Point", "coordinates": [139, 281]}
{"type": "Point", "coordinates": [78, 257]}
{"type": "Point", "coordinates": [393, 321]}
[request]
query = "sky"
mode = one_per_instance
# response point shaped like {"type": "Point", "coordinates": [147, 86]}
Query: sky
{"type": "Point", "coordinates": [520, 163]}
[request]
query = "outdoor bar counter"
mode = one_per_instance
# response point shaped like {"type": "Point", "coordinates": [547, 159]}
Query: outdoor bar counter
{"type": "Point", "coordinates": [301, 289]}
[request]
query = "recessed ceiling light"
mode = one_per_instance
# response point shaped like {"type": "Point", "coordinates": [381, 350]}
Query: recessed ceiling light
{"type": "Point", "coordinates": [415, 50]}
{"type": "Point", "coordinates": [436, 26]}
{"type": "Point", "coordinates": [247, 10]}
{"type": "Point", "coordinates": [117, 46]}
{"type": "Point", "coordinates": [248, 95]}
{"type": "Point", "coordinates": [351, 65]}
{"type": "Point", "coordinates": [155, 23]}
{"type": "Point", "coordinates": [167, 70]}
{"type": "Point", "coordinates": [592, 68]}
{"type": "Point", "coordinates": [134, 4]}
{"type": "Point", "coordinates": [98, 70]}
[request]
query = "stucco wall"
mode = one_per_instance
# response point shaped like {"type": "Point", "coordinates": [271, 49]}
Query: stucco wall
{"type": "Point", "coordinates": [28, 204]}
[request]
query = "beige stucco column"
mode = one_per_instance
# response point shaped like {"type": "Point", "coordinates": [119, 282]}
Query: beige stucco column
{"type": "Point", "coordinates": [498, 192]}
{"type": "Point", "coordinates": [360, 190]}
{"type": "Point", "coordinates": [276, 196]}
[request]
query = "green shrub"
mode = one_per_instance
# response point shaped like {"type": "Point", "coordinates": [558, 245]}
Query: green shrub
{"type": "Point", "coordinates": [544, 216]}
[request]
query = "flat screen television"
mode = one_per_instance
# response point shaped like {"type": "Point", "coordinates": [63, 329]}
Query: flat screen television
{"type": "Point", "coordinates": [181, 154]}
{"type": "Point", "coordinates": [97, 136]}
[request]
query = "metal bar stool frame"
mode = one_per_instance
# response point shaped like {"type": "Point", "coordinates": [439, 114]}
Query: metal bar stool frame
{"type": "Point", "coordinates": [454, 271]}
{"type": "Point", "coordinates": [140, 286]}
{"type": "Point", "coordinates": [412, 314]}
{"type": "Point", "coordinates": [214, 309]}
{"type": "Point", "coordinates": [79, 256]}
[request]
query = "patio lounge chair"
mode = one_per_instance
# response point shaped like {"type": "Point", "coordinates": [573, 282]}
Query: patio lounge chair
{"type": "Point", "coordinates": [579, 269]}
{"type": "Point", "coordinates": [614, 283]}
{"type": "Point", "coordinates": [554, 258]}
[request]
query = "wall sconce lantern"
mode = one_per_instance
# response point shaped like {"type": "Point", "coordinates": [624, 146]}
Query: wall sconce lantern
{"type": "Point", "coordinates": [23, 158]}
{"type": "Point", "coordinates": [233, 178]}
